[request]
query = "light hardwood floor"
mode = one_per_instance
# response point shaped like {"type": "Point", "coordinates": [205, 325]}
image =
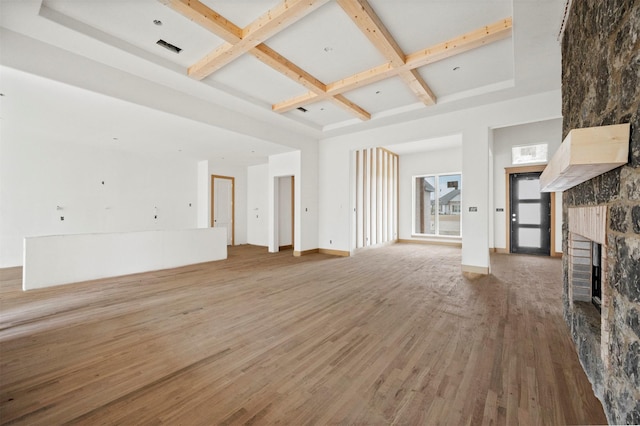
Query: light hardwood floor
{"type": "Point", "coordinates": [390, 336]}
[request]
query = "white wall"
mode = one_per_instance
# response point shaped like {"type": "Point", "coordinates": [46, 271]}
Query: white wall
{"type": "Point", "coordinates": [475, 126]}
{"type": "Point", "coordinates": [42, 180]}
{"type": "Point", "coordinates": [549, 131]}
{"type": "Point", "coordinates": [447, 160]}
{"type": "Point", "coordinates": [258, 205]}
{"type": "Point", "coordinates": [306, 211]}
{"type": "Point", "coordinates": [337, 185]}
{"type": "Point", "coordinates": [204, 195]}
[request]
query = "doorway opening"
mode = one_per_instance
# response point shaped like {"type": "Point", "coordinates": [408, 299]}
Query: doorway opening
{"type": "Point", "coordinates": [285, 212]}
{"type": "Point", "coordinates": [223, 205]}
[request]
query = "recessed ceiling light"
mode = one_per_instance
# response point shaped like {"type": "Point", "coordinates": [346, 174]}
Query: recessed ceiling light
{"type": "Point", "coordinates": [378, 92]}
{"type": "Point", "coordinates": [328, 49]}
{"type": "Point", "coordinates": [157, 22]}
{"type": "Point", "coordinates": [115, 139]}
{"type": "Point", "coordinates": [1, 94]}
{"type": "Point", "coordinates": [322, 109]}
{"type": "Point", "coordinates": [456, 68]}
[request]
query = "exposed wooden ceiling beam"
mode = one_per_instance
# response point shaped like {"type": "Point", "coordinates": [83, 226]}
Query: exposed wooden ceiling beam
{"type": "Point", "coordinates": [349, 106]}
{"type": "Point", "coordinates": [371, 26]}
{"type": "Point", "coordinates": [291, 70]}
{"type": "Point", "coordinates": [469, 41]}
{"type": "Point", "coordinates": [363, 15]}
{"type": "Point", "coordinates": [488, 34]}
{"type": "Point", "coordinates": [271, 22]}
{"type": "Point", "coordinates": [298, 101]}
{"type": "Point", "coordinates": [201, 14]}
{"type": "Point", "coordinates": [288, 68]}
{"type": "Point", "coordinates": [418, 86]}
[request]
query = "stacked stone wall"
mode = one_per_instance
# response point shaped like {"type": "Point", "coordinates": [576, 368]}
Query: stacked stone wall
{"type": "Point", "coordinates": [601, 86]}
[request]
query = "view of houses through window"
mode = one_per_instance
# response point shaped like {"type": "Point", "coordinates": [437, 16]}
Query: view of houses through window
{"type": "Point", "coordinates": [437, 204]}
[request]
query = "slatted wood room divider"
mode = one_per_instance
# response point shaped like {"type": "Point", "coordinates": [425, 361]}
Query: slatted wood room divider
{"type": "Point", "coordinates": [376, 196]}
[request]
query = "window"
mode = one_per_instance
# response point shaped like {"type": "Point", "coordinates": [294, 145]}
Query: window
{"type": "Point", "coordinates": [437, 204]}
{"type": "Point", "coordinates": [529, 154]}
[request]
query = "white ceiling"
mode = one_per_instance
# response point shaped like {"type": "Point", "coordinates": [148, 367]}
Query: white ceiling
{"type": "Point", "coordinates": [325, 43]}
{"type": "Point", "coordinates": [31, 105]}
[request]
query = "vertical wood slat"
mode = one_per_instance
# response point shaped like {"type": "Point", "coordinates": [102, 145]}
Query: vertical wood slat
{"type": "Point", "coordinates": [383, 185]}
{"type": "Point", "coordinates": [396, 210]}
{"type": "Point", "coordinates": [373, 200]}
{"type": "Point", "coordinates": [376, 196]}
{"type": "Point", "coordinates": [386, 206]}
{"type": "Point", "coordinates": [358, 210]}
{"type": "Point", "coordinates": [379, 196]}
{"type": "Point", "coordinates": [383, 196]}
{"type": "Point", "coordinates": [365, 199]}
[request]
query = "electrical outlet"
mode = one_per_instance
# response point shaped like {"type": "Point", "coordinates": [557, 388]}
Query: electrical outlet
{"type": "Point", "coordinates": [330, 242]}
{"type": "Point", "coordinates": [61, 217]}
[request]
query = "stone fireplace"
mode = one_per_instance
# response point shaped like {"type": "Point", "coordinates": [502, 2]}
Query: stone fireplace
{"type": "Point", "coordinates": [590, 322]}
{"type": "Point", "coordinates": [601, 86]}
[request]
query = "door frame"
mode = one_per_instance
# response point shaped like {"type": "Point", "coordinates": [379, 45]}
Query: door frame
{"type": "Point", "coordinates": [508, 171]}
{"type": "Point", "coordinates": [233, 204]}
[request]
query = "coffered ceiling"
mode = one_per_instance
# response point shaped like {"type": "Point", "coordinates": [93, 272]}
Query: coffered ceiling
{"type": "Point", "coordinates": [328, 65]}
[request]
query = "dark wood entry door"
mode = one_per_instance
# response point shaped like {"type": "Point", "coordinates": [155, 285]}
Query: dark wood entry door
{"type": "Point", "coordinates": [530, 212]}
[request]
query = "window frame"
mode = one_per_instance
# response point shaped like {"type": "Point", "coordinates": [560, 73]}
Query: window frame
{"type": "Point", "coordinates": [436, 177]}
{"type": "Point", "coordinates": [526, 163]}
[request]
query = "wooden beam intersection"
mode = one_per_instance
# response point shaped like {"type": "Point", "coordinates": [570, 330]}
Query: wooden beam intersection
{"type": "Point", "coordinates": [363, 15]}
{"type": "Point", "coordinates": [267, 25]}
{"type": "Point", "coordinates": [499, 30]}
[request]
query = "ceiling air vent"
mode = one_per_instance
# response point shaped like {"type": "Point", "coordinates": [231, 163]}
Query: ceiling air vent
{"type": "Point", "coordinates": [168, 46]}
{"type": "Point", "coordinates": [301, 109]}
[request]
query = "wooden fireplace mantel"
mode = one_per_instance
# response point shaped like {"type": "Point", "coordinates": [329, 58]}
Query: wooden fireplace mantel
{"type": "Point", "coordinates": [584, 154]}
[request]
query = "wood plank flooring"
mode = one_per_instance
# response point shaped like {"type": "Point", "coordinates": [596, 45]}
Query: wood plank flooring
{"type": "Point", "coordinates": [393, 335]}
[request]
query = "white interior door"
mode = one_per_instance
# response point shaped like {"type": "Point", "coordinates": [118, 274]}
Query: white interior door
{"type": "Point", "coordinates": [222, 212]}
